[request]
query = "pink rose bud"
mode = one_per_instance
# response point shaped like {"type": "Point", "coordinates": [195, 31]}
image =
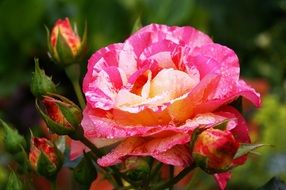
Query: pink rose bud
{"type": "Point", "coordinates": [44, 157]}
{"type": "Point", "coordinates": [214, 150]}
{"type": "Point", "coordinates": [65, 45]}
{"type": "Point", "coordinates": [62, 116]}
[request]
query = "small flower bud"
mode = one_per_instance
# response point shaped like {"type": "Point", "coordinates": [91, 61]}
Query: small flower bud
{"type": "Point", "coordinates": [214, 150]}
{"type": "Point", "coordinates": [85, 171]}
{"type": "Point", "coordinates": [62, 116]}
{"type": "Point", "coordinates": [44, 157]}
{"type": "Point", "coordinates": [13, 141]}
{"type": "Point", "coordinates": [41, 83]}
{"type": "Point", "coordinates": [136, 168]}
{"type": "Point", "coordinates": [65, 45]}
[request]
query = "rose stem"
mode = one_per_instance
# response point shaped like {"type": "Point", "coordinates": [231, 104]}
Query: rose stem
{"type": "Point", "coordinates": [174, 180]}
{"type": "Point", "coordinates": [171, 175]}
{"type": "Point", "coordinates": [73, 73]}
{"type": "Point", "coordinates": [98, 153]}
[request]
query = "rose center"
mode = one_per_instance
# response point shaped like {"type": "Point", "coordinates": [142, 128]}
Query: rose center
{"type": "Point", "coordinates": [167, 85]}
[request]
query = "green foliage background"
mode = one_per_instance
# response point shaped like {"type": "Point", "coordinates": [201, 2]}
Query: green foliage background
{"type": "Point", "coordinates": [255, 29]}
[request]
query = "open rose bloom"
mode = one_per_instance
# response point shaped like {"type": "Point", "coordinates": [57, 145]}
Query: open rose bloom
{"type": "Point", "coordinates": [151, 92]}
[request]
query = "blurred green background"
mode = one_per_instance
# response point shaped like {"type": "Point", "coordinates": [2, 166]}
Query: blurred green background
{"type": "Point", "coordinates": [254, 29]}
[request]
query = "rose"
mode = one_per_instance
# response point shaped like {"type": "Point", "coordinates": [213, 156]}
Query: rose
{"type": "Point", "coordinates": [151, 92]}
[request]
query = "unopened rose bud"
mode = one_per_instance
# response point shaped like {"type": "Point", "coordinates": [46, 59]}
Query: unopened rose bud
{"type": "Point", "coordinates": [41, 84]}
{"type": "Point", "coordinates": [44, 157]}
{"type": "Point", "coordinates": [85, 171]}
{"type": "Point", "coordinates": [13, 141]}
{"type": "Point", "coordinates": [214, 150]}
{"type": "Point", "coordinates": [136, 168]}
{"type": "Point", "coordinates": [62, 116]}
{"type": "Point", "coordinates": [65, 45]}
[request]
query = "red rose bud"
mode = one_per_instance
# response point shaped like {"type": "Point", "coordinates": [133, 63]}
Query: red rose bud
{"type": "Point", "coordinates": [136, 168]}
{"type": "Point", "coordinates": [62, 116]}
{"type": "Point", "coordinates": [44, 157]}
{"type": "Point", "coordinates": [13, 141]}
{"type": "Point", "coordinates": [214, 150]}
{"type": "Point", "coordinates": [65, 45]}
{"type": "Point", "coordinates": [41, 84]}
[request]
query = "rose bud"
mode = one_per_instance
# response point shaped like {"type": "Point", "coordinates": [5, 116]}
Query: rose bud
{"type": "Point", "coordinates": [62, 116]}
{"type": "Point", "coordinates": [41, 84]}
{"type": "Point", "coordinates": [64, 43]}
{"type": "Point", "coordinates": [214, 150]}
{"type": "Point", "coordinates": [135, 168]}
{"type": "Point", "coordinates": [44, 157]}
{"type": "Point", "coordinates": [85, 171]}
{"type": "Point", "coordinates": [13, 141]}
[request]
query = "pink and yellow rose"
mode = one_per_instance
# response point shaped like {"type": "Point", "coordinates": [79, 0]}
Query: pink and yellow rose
{"type": "Point", "coordinates": [151, 92]}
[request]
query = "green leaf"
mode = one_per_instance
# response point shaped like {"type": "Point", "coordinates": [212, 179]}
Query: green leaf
{"type": "Point", "coordinates": [245, 148]}
{"type": "Point", "coordinates": [12, 139]}
{"type": "Point", "coordinates": [274, 184]}
{"type": "Point", "coordinates": [14, 183]}
{"type": "Point", "coordinates": [85, 171]}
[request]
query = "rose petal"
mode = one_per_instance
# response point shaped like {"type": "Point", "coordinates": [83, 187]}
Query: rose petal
{"type": "Point", "coordinates": [221, 179]}
{"type": "Point", "coordinates": [161, 148]}
{"type": "Point", "coordinates": [179, 155]}
{"type": "Point", "coordinates": [97, 126]}
{"type": "Point", "coordinates": [155, 33]}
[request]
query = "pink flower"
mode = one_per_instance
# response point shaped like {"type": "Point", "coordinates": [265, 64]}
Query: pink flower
{"type": "Point", "coordinates": [150, 93]}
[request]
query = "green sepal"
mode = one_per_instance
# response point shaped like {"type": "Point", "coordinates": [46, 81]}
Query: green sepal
{"type": "Point", "coordinates": [237, 104]}
{"type": "Point", "coordinates": [136, 169]}
{"type": "Point", "coordinates": [14, 183]}
{"type": "Point", "coordinates": [51, 52]}
{"type": "Point", "coordinates": [202, 162]}
{"type": "Point", "coordinates": [245, 148]}
{"type": "Point", "coordinates": [13, 141]}
{"type": "Point", "coordinates": [222, 125]}
{"type": "Point", "coordinates": [85, 172]}
{"type": "Point", "coordinates": [195, 135]}
{"type": "Point", "coordinates": [83, 46]}
{"type": "Point", "coordinates": [41, 84]}
{"type": "Point", "coordinates": [72, 114]}
{"type": "Point", "coordinates": [46, 167]}
{"type": "Point", "coordinates": [64, 51]}
{"type": "Point", "coordinates": [137, 25]}
{"type": "Point", "coordinates": [53, 126]}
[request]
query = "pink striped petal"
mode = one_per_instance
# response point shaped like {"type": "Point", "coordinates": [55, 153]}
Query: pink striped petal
{"type": "Point", "coordinates": [153, 33]}
{"type": "Point", "coordinates": [222, 178]}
